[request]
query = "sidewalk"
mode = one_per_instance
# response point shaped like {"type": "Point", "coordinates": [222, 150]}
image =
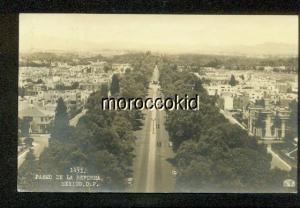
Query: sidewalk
{"type": "Point", "coordinates": [277, 161]}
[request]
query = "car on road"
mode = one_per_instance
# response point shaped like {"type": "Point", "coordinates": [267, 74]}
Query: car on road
{"type": "Point", "coordinates": [170, 144]}
{"type": "Point", "coordinates": [174, 172]}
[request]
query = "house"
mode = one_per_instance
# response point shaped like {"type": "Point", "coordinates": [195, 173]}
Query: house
{"type": "Point", "coordinates": [39, 119]}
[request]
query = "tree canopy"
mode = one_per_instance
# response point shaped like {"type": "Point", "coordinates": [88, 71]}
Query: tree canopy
{"type": "Point", "coordinates": [115, 86]}
{"type": "Point", "coordinates": [60, 130]}
{"type": "Point", "coordinates": [212, 154]}
{"type": "Point", "coordinates": [103, 141]}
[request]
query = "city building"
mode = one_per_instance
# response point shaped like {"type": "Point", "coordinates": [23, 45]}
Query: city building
{"type": "Point", "coordinates": [268, 123]}
{"type": "Point", "coordinates": [39, 119]}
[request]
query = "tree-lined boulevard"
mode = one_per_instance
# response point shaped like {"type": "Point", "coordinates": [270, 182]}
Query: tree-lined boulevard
{"type": "Point", "coordinates": [152, 171]}
{"type": "Point", "coordinates": [153, 150]}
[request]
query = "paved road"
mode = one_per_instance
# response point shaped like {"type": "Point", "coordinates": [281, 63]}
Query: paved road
{"type": "Point", "coordinates": [39, 144]}
{"type": "Point", "coordinates": [152, 171]}
{"type": "Point", "coordinates": [74, 121]}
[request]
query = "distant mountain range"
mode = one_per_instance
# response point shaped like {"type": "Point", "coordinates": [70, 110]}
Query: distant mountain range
{"type": "Point", "coordinates": [269, 49]}
{"type": "Point", "coordinates": [259, 50]}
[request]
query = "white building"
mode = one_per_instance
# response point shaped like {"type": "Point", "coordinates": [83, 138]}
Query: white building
{"type": "Point", "coordinates": [39, 119]}
{"type": "Point", "coordinates": [228, 101]}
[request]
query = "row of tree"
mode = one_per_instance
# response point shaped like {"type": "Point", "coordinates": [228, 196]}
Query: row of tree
{"type": "Point", "coordinates": [231, 62]}
{"type": "Point", "coordinates": [213, 155]}
{"type": "Point", "coordinates": [73, 86]}
{"type": "Point", "coordinates": [102, 142]}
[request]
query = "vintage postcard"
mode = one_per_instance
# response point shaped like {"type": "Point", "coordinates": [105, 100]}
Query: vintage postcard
{"type": "Point", "coordinates": [158, 103]}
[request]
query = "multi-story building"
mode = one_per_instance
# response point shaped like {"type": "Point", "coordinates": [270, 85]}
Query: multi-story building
{"type": "Point", "coordinates": [266, 122]}
{"type": "Point", "coordinates": [39, 119]}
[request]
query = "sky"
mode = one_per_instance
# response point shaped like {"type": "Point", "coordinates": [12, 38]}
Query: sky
{"type": "Point", "coordinates": [162, 33]}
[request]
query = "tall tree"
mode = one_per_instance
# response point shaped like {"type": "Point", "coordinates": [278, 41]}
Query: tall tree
{"type": "Point", "coordinates": [106, 68]}
{"type": "Point", "coordinates": [104, 90]}
{"type": "Point", "coordinates": [60, 130]}
{"type": "Point", "coordinates": [27, 171]}
{"type": "Point", "coordinates": [115, 85]}
{"type": "Point", "coordinates": [198, 86]}
{"type": "Point", "coordinates": [276, 124]}
{"type": "Point", "coordinates": [232, 81]}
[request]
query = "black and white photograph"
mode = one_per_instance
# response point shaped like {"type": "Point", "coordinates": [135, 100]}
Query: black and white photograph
{"type": "Point", "coordinates": [157, 103]}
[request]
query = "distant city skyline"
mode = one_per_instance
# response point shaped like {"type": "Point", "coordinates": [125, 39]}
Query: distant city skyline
{"type": "Point", "coordinates": [244, 34]}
